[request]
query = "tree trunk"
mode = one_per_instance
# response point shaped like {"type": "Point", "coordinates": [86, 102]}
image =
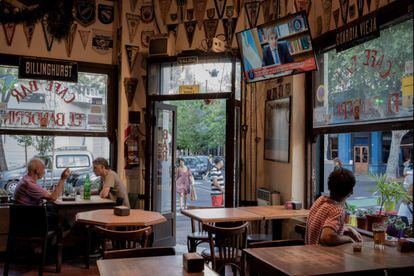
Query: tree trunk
{"type": "Point", "coordinates": [392, 163]}
{"type": "Point", "coordinates": [3, 163]}
{"type": "Point", "coordinates": [25, 153]}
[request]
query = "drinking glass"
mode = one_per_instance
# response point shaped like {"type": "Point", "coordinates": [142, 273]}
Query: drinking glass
{"type": "Point", "coordinates": [379, 235]}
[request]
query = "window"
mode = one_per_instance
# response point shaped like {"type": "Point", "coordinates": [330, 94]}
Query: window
{"type": "Point", "coordinates": [332, 146]}
{"type": "Point", "coordinates": [73, 161]}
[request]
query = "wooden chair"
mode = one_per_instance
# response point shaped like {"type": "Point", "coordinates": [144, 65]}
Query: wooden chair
{"type": "Point", "coordinates": [198, 235]}
{"type": "Point", "coordinates": [28, 224]}
{"type": "Point", "coordinates": [300, 229]}
{"type": "Point", "coordinates": [226, 246]}
{"type": "Point", "coordinates": [140, 252]}
{"type": "Point", "coordinates": [257, 231]}
{"type": "Point", "coordinates": [122, 241]}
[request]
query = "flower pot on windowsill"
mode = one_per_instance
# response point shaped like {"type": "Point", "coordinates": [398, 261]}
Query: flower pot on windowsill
{"type": "Point", "coordinates": [374, 219]}
{"type": "Point", "coordinates": [362, 223]}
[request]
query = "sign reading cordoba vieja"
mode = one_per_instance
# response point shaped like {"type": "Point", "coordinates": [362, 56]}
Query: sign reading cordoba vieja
{"type": "Point", "coordinates": [48, 69]}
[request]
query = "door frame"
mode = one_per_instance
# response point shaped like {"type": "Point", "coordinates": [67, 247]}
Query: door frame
{"type": "Point", "coordinates": [231, 104]}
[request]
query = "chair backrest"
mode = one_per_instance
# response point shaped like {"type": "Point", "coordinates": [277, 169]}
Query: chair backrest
{"type": "Point", "coordinates": [28, 221]}
{"type": "Point", "coordinates": [197, 226]}
{"type": "Point", "coordinates": [123, 240]}
{"type": "Point", "coordinates": [275, 243]}
{"type": "Point", "coordinates": [300, 229]}
{"type": "Point", "coordinates": [140, 252]}
{"type": "Point", "coordinates": [226, 243]}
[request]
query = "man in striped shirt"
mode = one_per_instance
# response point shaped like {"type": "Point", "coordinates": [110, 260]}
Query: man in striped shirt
{"type": "Point", "coordinates": [217, 183]}
{"type": "Point", "coordinates": [325, 224]}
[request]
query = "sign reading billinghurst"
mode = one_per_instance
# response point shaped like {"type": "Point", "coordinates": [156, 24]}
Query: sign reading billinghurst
{"type": "Point", "coordinates": [48, 69]}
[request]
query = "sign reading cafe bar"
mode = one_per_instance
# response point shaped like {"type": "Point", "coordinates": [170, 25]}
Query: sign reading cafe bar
{"type": "Point", "coordinates": [48, 69]}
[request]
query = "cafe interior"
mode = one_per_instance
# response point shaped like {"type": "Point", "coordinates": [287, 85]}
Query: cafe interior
{"type": "Point", "coordinates": [313, 174]}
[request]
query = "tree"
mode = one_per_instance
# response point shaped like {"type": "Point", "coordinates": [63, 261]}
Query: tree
{"type": "Point", "coordinates": [392, 163]}
{"type": "Point", "coordinates": [43, 144]}
{"type": "Point", "coordinates": [24, 141]}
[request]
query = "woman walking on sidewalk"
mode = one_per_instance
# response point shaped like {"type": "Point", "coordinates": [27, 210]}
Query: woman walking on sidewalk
{"type": "Point", "coordinates": [184, 179]}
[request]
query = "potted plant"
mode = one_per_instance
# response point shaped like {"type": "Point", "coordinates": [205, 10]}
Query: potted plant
{"type": "Point", "coordinates": [396, 227]}
{"type": "Point", "coordinates": [350, 210]}
{"type": "Point", "coordinates": [390, 192]}
{"type": "Point", "coordinates": [361, 217]}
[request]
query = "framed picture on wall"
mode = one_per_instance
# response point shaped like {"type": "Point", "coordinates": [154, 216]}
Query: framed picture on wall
{"type": "Point", "coordinates": [277, 130]}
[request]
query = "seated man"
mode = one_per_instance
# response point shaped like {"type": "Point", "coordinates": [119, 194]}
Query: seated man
{"type": "Point", "coordinates": [29, 192]}
{"type": "Point", "coordinates": [325, 224]}
{"type": "Point", "coordinates": [112, 186]}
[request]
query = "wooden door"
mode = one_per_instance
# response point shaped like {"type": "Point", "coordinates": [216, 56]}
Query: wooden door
{"type": "Point", "coordinates": [361, 158]}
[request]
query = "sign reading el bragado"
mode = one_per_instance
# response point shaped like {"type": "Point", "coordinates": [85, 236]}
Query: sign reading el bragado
{"type": "Point", "coordinates": [50, 104]}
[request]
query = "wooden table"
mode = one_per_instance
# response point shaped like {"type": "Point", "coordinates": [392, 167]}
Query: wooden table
{"type": "Point", "coordinates": [68, 209]}
{"type": "Point", "coordinates": [211, 215]}
{"type": "Point", "coordinates": [317, 260]}
{"type": "Point", "coordinates": [165, 265]}
{"type": "Point", "coordinates": [107, 218]}
{"type": "Point", "coordinates": [276, 213]}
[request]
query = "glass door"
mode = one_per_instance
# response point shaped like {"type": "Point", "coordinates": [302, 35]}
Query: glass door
{"type": "Point", "coordinates": [163, 160]}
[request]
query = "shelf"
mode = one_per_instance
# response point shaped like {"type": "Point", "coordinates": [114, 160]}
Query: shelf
{"type": "Point", "coordinates": [301, 52]}
{"type": "Point", "coordinates": [293, 34]}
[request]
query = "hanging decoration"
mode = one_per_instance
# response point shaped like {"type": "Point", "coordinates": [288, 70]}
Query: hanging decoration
{"type": "Point", "coordinates": [84, 35]}
{"type": "Point", "coordinates": [132, 4]}
{"type": "Point", "coordinates": [144, 57]}
{"type": "Point", "coordinates": [172, 28]}
{"type": "Point", "coordinates": [132, 53]}
{"type": "Point", "coordinates": [130, 86]}
{"type": "Point", "coordinates": [70, 39]}
{"type": "Point", "coordinates": [85, 12]}
{"type": "Point", "coordinates": [336, 17]}
{"type": "Point", "coordinates": [211, 13]}
{"type": "Point", "coordinates": [9, 29]}
{"type": "Point", "coordinates": [377, 3]}
{"type": "Point", "coordinates": [303, 5]}
{"type": "Point", "coordinates": [319, 25]}
{"type": "Point", "coordinates": [47, 34]}
{"type": "Point", "coordinates": [327, 11]}
{"type": "Point", "coordinates": [229, 25]}
{"type": "Point", "coordinates": [145, 38]}
{"type": "Point", "coordinates": [180, 9]}
{"type": "Point", "coordinates": [352, 11]}
{"type": "Point", "coordinates": [165, 6]}
{"type": "Point", "coordinates": [360, 6]}
{"type": "Point", "coordinates": [266, 11]}
{"type": "Point", "coordinates": [147, 13]}
{"type": "Point", "coordinates": [276, 9]}
{"type": "Point", "coordinates": [190, 14]}
{"type": "Point", "coordinates": [229, 11]}
{"type": "Point", "coordinates": [252, 10]}
{"type": "Point", "coordinates": [105, 13]}
{"type": "Point", "coordinates": [199, 7]}
{"type": "Point", "coordinates": [190, 27]}
{"type": "Point", "coordinates": [210, 28]}
{"type": "Point", "coordinates": [220, 4]}
{"type": "Point", "coordinates": [344, 10]}
{"type": "Point", "coordinates": [173, 17]}
{"type": "Point", "coordinates": [102, 41]}
{"type": "Point", "coordinates": [132, 24]}
{"type": "Point", "coordinates": [28, 29]}
{"type": "Point", "coordinates": [369, 5]}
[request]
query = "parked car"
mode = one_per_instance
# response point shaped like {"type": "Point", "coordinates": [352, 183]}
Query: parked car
{"type": "Point", "coordinates": [205, 162]}
{"type": "Point", "coordinates": [194, 165]}
{"type": "Point", "coordinates": [62, 159]}
{"type": "Point", "coordinates": [77, 179]}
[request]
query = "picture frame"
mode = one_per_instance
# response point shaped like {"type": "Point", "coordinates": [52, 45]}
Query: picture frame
{"type": "Point", "coordinates": [277, 130]}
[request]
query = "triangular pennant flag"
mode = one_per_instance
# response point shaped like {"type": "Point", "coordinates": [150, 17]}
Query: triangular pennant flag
{"type": "Point", "coordinates": [130, 86]}
{"type": "Point", "coordinates": [133, 4]}
{"type": "Point", "coordinates": [70, 38]}
{"type": "Point", "coordinates": [377, 2]}
{"type": "Point", "coordinates": [252, 11]}
{"type": "Point", "coordinates": [48, 36]}
{"type": "Point", "coordinates": [327, 11]}
{"type": "Point", "coordinates": [132, 23]}
{"type": "Point", "coordinates": [276, 9]}
{"type": "Point", "coordinates": [344, 10]}
{"type": "Point", "coordinates": [132, 53]}
{"type": "Point", "coordinates": [352, 11]}
{"type": "Point", "coordinates": [229, 28]}
{"type": "Point", "coordinates": [172, 28]}
{"type": "Point", "coordinates": [336, 17]}
{"type": "Point", "coordinates": [9, 29]}
{"type": "Point", "coordinates": [319, 25]}
{"type": "Point", "coordinates": [165, 6]}
{"type": "Point", "coordinates": [360, 5]}
{"type": "Point", "coordinates": [220, 4]}
{"type": "Point", "coordinates": [28, 32]}
{"type": "Point", "coordinates": [84, 35]}
{"type": "Point", "coordinates": [145, 38]}
{"type": "Point", "coordinates": [199, 7]}
{"type": "Point", "coordinates": [190, 27]}
{"type": "Point", "coordinates": [210, 28]}
{"type": "Point", "coordinates": [266, 10]}
{"type": "Point", "coordinates": [369, 5]}
{"type": "Point", "coordinates": [303, 5]}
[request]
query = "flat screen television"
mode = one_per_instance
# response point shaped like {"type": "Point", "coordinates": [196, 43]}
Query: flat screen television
{"type": "Point", "coordinates": [276, 49]}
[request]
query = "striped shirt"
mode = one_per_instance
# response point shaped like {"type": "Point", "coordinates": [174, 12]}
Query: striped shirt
{"type": "Point", "coordinates": [215, 173]}
{"type": "Point", "coordinates": [325, 212]}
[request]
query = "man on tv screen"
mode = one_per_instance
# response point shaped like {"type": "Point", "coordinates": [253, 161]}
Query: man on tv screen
{"type": "Point", "coordinates": [276, 52]}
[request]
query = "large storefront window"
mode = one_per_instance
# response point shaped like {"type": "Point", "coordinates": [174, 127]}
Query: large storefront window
{"type": "Point", "coordinates": [368, 85]}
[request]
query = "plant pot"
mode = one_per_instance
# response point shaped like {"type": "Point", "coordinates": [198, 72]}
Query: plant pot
{"type": "Point", "coordinates": [362, 223]}
{"type": "Point", "coordinates": [352, 220]}
{"type": "Point", "coordinates": [389, 206]}
{"type": "Point", "coordinates": [375, 219]}
{"type": "Point", "coordinates": [346, 219]}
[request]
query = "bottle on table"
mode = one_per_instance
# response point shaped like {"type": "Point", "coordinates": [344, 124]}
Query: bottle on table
{"type": "Point", "coordinates": [87, 188]}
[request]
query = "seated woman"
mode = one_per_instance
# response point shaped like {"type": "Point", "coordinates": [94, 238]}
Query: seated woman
{"type": "Point", "coordinates": [326, 220]}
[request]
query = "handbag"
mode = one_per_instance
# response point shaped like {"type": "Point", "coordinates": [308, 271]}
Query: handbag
{"type": "Point", "coordinates": [193, 193]}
